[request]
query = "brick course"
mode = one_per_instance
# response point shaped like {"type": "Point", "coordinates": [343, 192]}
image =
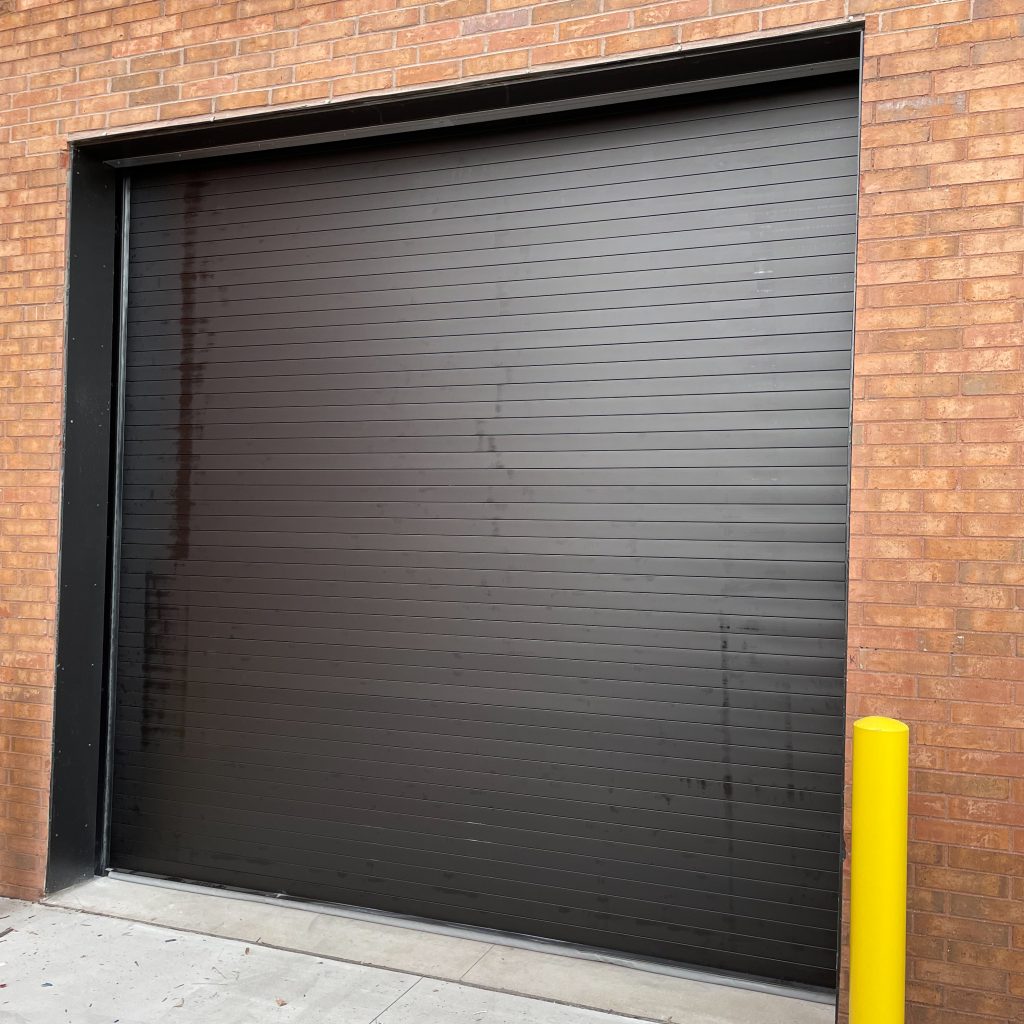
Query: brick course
{"type": "Point", "coordinates": [937, 578]}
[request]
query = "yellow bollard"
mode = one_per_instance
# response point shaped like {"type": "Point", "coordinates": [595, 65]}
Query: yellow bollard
{"type": "Point", "coordinates": [878, 882]}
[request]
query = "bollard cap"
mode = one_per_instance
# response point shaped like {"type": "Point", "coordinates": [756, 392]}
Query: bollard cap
{"type": "Point", "coordinates": [876, 723]}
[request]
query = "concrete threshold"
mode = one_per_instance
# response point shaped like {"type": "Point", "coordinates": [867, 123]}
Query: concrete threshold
{"type": "Point", "coordinates": [555, 975]}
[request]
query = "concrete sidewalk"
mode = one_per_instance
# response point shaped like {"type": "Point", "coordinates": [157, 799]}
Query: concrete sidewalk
{"type": "Point", "coordinates": [70, 964]}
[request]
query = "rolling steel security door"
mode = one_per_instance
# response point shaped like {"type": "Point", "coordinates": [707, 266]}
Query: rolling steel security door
{"type": "Point", "coordinates": [484, 526]}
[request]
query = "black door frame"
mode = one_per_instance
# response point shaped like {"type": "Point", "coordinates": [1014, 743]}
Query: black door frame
{"type": "Point", "coordinates": [99, 171]}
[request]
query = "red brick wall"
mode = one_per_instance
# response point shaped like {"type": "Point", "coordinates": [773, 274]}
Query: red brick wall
{"type": "Point", "coordinates": [937, 592]}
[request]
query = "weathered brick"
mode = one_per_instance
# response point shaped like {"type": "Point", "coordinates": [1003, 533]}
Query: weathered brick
{"type": "Point", "coordinates": [996, 169]}
{"type": "Point", "coordinates": [792, 14]}
{"type": "Point", "coordinates": [421, 74]}
{"type": "Point", "coordinates": [564, 10]}
{"type": "Point", "coordinates": [671, 13]}
{"type": "Point", "coordinates": [606, 24]}
{"type": "Point", "coordinates": [509, 60]}
{"type": "Point", "coordinates": [649, 39]}
{"type": "Point", "coordinates": [718, 28]}
{"type": "Point", "coordinates": [454, 9]}
{"type": "Point", "coordinates": [933, 14]}
{"type": "Point", "coordinates": [494, 22]}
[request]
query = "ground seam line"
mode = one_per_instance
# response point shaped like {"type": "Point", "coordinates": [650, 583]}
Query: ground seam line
{"type": "Point", "coordinates": [462, 976]}
{"type": "Point", "coordinates": [399, 998]}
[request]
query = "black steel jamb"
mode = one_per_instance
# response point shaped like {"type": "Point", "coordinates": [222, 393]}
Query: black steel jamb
{"type": "Point", "coordinates": [83, 561]}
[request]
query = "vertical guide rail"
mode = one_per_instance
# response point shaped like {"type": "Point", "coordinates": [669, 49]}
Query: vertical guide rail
{"type": "Point", "coordinates": [117, 458]}
{"type": "Point", "coordinates": [878, 884]}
